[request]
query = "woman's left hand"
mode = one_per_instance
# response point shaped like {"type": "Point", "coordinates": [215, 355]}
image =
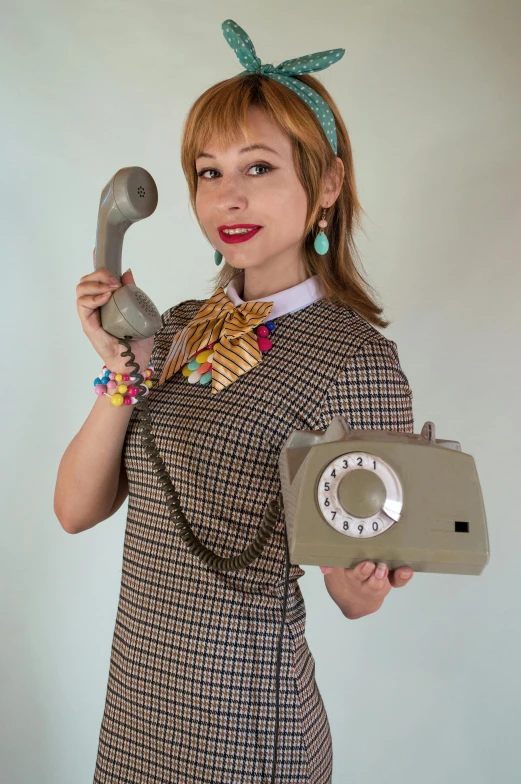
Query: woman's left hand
{"type": "Point", "coordinates": [362, 590]}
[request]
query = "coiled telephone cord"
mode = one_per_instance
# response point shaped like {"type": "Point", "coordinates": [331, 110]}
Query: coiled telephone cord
{"type": "Point", "coordinates": [194, 544]}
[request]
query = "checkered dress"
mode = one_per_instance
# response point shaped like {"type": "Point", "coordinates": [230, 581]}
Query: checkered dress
{"type": "Point", "coordinates": [191, 686]}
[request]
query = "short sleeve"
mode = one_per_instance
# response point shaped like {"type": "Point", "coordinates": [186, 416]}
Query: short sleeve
{"type": "Point", "coordinates": [371, 391]}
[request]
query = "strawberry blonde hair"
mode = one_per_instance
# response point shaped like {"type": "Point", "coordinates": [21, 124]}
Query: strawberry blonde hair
{"type": "Point", "coordinates": [220, 113]}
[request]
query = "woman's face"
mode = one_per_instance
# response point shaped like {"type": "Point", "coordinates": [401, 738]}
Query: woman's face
{"type": "Point", "coordinates": [257, 187]}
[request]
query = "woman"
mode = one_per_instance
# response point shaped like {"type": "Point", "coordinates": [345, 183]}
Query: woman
{"type": "Point", "coordinates": [191, 688]}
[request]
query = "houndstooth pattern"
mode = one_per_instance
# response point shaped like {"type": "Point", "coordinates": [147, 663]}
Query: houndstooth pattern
{"type": "Point", "coordinates": [191, 686]}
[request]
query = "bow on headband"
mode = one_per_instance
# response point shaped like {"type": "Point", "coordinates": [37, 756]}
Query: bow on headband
{"type": "Point", "coordinates": [286, 71]}
{"type": "Point", "coordinates": [220, 320]}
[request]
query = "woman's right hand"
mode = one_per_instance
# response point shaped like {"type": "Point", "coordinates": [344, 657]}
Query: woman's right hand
{"type": "Point", "coordinates": [93, 291]}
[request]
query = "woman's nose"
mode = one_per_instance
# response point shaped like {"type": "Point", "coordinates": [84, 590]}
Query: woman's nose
{"type": "Point", "coordinates": [231, 197]}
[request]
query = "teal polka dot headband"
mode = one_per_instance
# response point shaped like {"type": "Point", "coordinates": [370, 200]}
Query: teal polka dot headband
{"type": "Point", "coordinates": [286, 71]}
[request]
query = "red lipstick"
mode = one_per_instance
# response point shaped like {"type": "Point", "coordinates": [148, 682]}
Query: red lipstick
{"type": "Point", "coordinates": [233, 238]}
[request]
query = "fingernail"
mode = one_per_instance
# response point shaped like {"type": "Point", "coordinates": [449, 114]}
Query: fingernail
{"type": "Point", "coordinates": [367, 567]}
{"type": "Point", "coordinates": [380, 570]}
{"type": "Point", "coordinates": [113, 281]}
{"type": "Point", "coordinates": [405, 575]}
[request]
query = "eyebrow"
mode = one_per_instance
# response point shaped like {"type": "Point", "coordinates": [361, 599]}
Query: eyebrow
{"type": "Point", "coordinates": [244, 149]}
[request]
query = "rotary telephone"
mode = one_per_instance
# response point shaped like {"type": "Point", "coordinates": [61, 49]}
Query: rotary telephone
{"type": "Point", "coordinates": [380, 495]}
{"type": "Point", "coordinates": [349, 495]}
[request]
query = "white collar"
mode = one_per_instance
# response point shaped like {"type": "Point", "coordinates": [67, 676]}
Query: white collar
{"type": "Point", "coordinates": [286, 301]}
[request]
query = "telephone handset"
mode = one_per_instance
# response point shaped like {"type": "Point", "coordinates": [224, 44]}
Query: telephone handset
{"type": "Point", "coordinates": [129, 196]}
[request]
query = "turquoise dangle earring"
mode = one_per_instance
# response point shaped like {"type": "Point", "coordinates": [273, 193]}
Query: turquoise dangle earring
{"type": "Point", "coordinates": [321, 243]}
{"type": "Point", "coordinates": [218, 256]}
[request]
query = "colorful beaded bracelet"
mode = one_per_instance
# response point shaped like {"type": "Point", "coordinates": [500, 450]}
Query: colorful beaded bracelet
{"type": "Point", "coordinates": [117, 386]}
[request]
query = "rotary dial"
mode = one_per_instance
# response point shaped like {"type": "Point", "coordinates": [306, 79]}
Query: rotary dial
{"type": "Point", "coordinates": [359, 495]}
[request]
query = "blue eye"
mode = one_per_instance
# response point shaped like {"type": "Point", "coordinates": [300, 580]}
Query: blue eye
{"type": "Point", "coordinates": [254, 166]}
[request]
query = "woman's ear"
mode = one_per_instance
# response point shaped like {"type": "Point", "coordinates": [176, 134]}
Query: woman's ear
{"type": "Point", "coordinates": [333, 183]}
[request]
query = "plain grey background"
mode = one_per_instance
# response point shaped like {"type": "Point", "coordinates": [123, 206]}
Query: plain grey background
{"type": "Point", "coordinates": [428, 689]}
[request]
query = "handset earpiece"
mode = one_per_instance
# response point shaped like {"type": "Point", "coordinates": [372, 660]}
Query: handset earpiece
{"type": "Point", "coordinates": [129, 196]}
